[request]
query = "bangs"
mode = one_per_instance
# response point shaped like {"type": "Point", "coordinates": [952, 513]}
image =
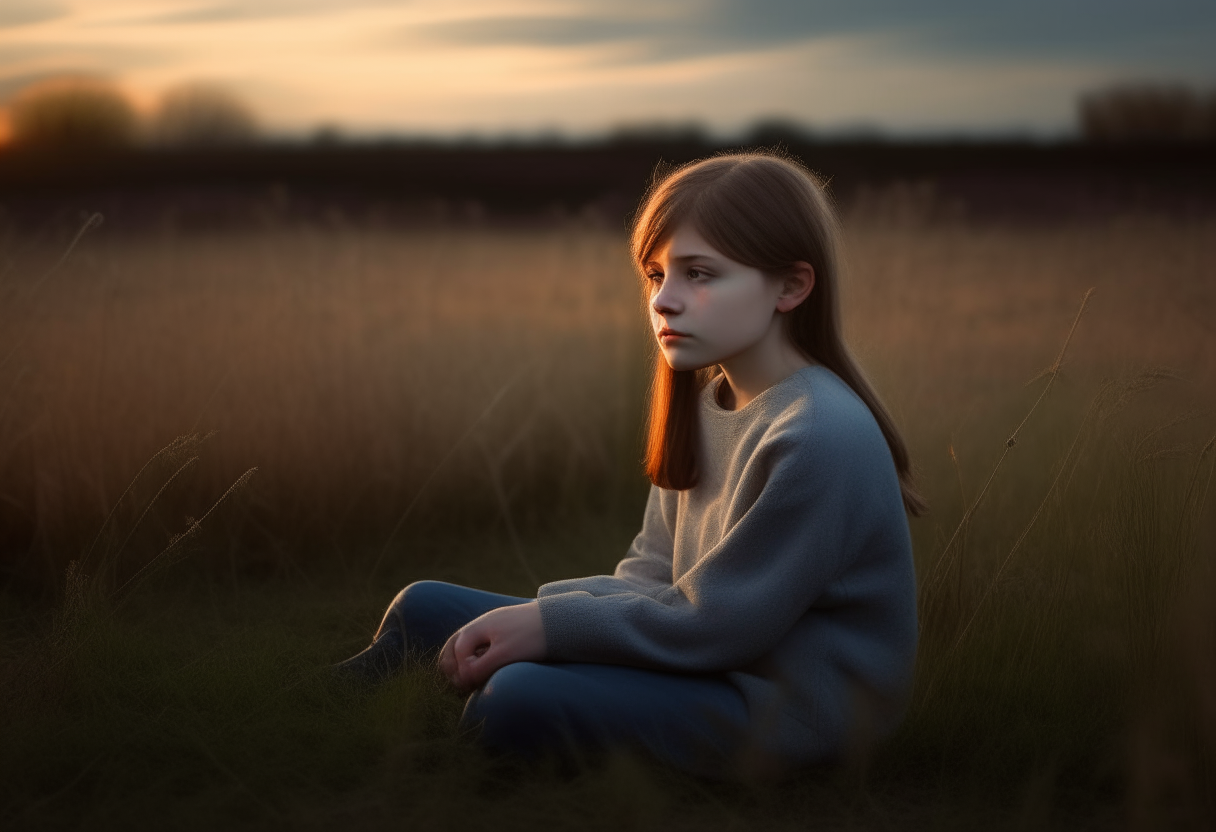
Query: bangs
{"type": "Point", "coordinates": [666, 208]}
{"type": "Point", "coordinates": [761, 211]}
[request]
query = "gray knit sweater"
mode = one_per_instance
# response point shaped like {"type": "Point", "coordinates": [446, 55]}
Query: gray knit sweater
{"type": "Point", "coordinates": [788, 566]}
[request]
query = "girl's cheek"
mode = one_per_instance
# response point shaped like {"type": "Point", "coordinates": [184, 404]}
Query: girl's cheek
{"type": "Point", "coordinates": [730, 303]}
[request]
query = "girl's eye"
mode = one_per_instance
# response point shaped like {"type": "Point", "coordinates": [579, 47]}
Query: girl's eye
{"type": "Point", "coordinates": [694, 274]}
{"type": "Point", "coordinates": [654, 277]}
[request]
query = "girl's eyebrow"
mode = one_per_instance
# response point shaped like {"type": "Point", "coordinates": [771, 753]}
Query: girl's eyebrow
{"type": "Point", "coordinates": [685, 258]}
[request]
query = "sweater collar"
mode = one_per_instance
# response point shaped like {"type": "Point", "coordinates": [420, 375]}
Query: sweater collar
{"type": "Point", "coordinates": [709, 395]}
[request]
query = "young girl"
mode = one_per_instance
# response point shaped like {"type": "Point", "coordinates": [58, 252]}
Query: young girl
{"type": "Point", "coordinates": [765, 615]}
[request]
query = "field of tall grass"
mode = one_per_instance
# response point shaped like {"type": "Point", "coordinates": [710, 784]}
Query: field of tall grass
{"type": "Point", "coordinates": [221, 453]}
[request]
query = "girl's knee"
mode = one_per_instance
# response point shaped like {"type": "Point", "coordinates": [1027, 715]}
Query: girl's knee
{"type": "Point", "coordinates": [515, 691]}
{"type": "Point", "coordinates": [418, 612]}
{"type": "Point", "coordinates": [516, 709]}
{"type": "Point", "coordinates": [418, 601]}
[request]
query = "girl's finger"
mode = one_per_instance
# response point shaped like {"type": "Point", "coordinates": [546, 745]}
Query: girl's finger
{"type": "Point", "coordinates": [466, 650]}
{"type": "Point", "coordinates": [453, 658]}
{"type": "Point", "coordinates": [471, 642]}
{"type": "Point", "coordinates": [479, 666]}
{"type": "Point", "coordinates": [464, 645]}
{"type": "Point", "coordinates": [447, 658]}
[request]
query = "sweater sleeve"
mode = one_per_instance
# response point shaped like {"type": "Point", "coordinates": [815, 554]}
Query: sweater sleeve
{"type": "Point", "coordinates": [645, 568]}
{"type": "Point", "coordinates": [802, 507]}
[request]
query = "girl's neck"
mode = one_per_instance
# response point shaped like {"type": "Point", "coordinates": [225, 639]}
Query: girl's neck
{"type": "Point", "coordinates": [751, 373]}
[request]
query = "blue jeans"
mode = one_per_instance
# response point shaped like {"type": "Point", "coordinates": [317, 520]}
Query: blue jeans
{"type": "Point", "coordinates": [694, 722]}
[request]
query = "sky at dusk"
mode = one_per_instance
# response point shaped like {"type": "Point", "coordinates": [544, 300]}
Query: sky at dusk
{"type": "Point", "coordinates": [580, 67]}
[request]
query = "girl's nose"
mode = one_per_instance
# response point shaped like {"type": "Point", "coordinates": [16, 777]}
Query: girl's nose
{"type": "Point", "coordinates": [665, 302]}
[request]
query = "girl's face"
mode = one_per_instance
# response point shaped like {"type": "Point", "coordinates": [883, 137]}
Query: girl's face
{"type": "Point", "coordinates": [704, 307]}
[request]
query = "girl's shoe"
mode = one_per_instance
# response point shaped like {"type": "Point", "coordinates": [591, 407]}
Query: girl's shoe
{"type": "Point", "coordinates": [378, 662]}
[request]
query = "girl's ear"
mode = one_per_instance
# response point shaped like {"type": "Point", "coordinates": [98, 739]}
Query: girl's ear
{"type": "Point", "coordinates": [796, 286]}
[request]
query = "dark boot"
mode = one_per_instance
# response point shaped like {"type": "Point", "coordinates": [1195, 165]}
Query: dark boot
{"type": "Point", "coordinates": [378, 662]}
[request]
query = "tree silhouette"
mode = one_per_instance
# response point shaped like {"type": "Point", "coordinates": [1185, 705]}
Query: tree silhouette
{"type": "Point", "coordinates": [1148, 112]}
{"type": "Point", "coordinates": [72, 113]}
{"type": "Point", "coordinates": [200, 115]}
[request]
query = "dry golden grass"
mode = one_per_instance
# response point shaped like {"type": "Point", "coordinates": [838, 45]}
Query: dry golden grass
{"type": "Point", "coordinates": [395, 383]}
{"type": "Point", "coordinates": [352, 365]}
{"type": "Point", "coordinates": [346, 364]}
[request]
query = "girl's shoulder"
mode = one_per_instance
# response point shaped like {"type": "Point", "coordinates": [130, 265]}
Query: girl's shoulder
{"type": "Point", "coordinates": [816, 413]}
{"type": "Point", "coordinates": [829, 430]}
{"type": "Point", "coordinates": [830, 400]}
{"type": "Point", "coordinates": [809, 429]}
{"type": "Point", "coordinates": [810, 412]}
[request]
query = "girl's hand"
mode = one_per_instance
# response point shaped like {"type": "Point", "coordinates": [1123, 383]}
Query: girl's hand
{"type": "Point", "coordinates": [500, 637]}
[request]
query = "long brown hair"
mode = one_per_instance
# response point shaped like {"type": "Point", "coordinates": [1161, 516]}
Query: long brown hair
{"type": "Point", "coordinates": [766, 211]}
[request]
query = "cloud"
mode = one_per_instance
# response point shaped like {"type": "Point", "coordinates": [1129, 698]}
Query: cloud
{"type": "Point", "coordinates": [228, 12]}
{"type": "Point", "coordinates": [26, 60]}
{"type": "Point", "coordinates": [24, 12]}
{"type": "Point", "coordinates": [203, 14]}
{"type": "Point", "coordinates": [10, 86]}
{"type": "Point", "coordinates": [532, 31]}
{"type": "Point", "coordinates": [569, 62]}
{"type": "Point", "coordinates": [1168, 33]}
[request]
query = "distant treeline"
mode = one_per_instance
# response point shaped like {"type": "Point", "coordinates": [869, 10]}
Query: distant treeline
{"type": "Point", "coordinates": [78, 144]}
{"type": "Point", "coordinates": [604, 180]}
{"type": "Point", "coordinates": [1148, 113]}
{"type": "Point", "coordinates": [75, 113]}
{"type": "Point", "coordinates": [81, 112]}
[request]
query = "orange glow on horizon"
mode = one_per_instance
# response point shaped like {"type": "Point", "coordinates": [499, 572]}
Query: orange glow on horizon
{"type": "Point", "coordinates": [577, 66]}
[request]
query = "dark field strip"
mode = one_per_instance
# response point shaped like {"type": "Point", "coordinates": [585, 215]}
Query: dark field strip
{"type": "Point", "coordinates": [205, 704]}
{"type": "Point", "coordinates": [1010, 181]}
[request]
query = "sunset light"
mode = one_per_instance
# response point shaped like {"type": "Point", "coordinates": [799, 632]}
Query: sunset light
{"type": "Point", "coordinates": [607, 414]}
{"type": "Point", "coordinates": [584, 66]}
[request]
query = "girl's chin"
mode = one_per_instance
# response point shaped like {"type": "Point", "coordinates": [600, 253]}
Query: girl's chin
{"type": "Point", "coordinates": [680, 363]}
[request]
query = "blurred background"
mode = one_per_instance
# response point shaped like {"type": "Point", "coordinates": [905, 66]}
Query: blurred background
{"type": "Point", "coordinates": [317, 227]}
{"type": "Point", "coordinates": [377, 251]}
{"type": "Point", "coordinates": [584, 68]}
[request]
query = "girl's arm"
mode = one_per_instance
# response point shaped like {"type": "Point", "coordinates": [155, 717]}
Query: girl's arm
{"type": "Point", "coordinates": [515, 633]}
{"type": "Point", "coordinates": [649, 562]}
{"type": "Point", "coordinates": [646, 568]}
{"type": "Point", "coordinates": [812, 504]}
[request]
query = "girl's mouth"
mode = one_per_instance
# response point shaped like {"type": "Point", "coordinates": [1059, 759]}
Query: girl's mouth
{"type": "Point", "coordinates": [668, 335]}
